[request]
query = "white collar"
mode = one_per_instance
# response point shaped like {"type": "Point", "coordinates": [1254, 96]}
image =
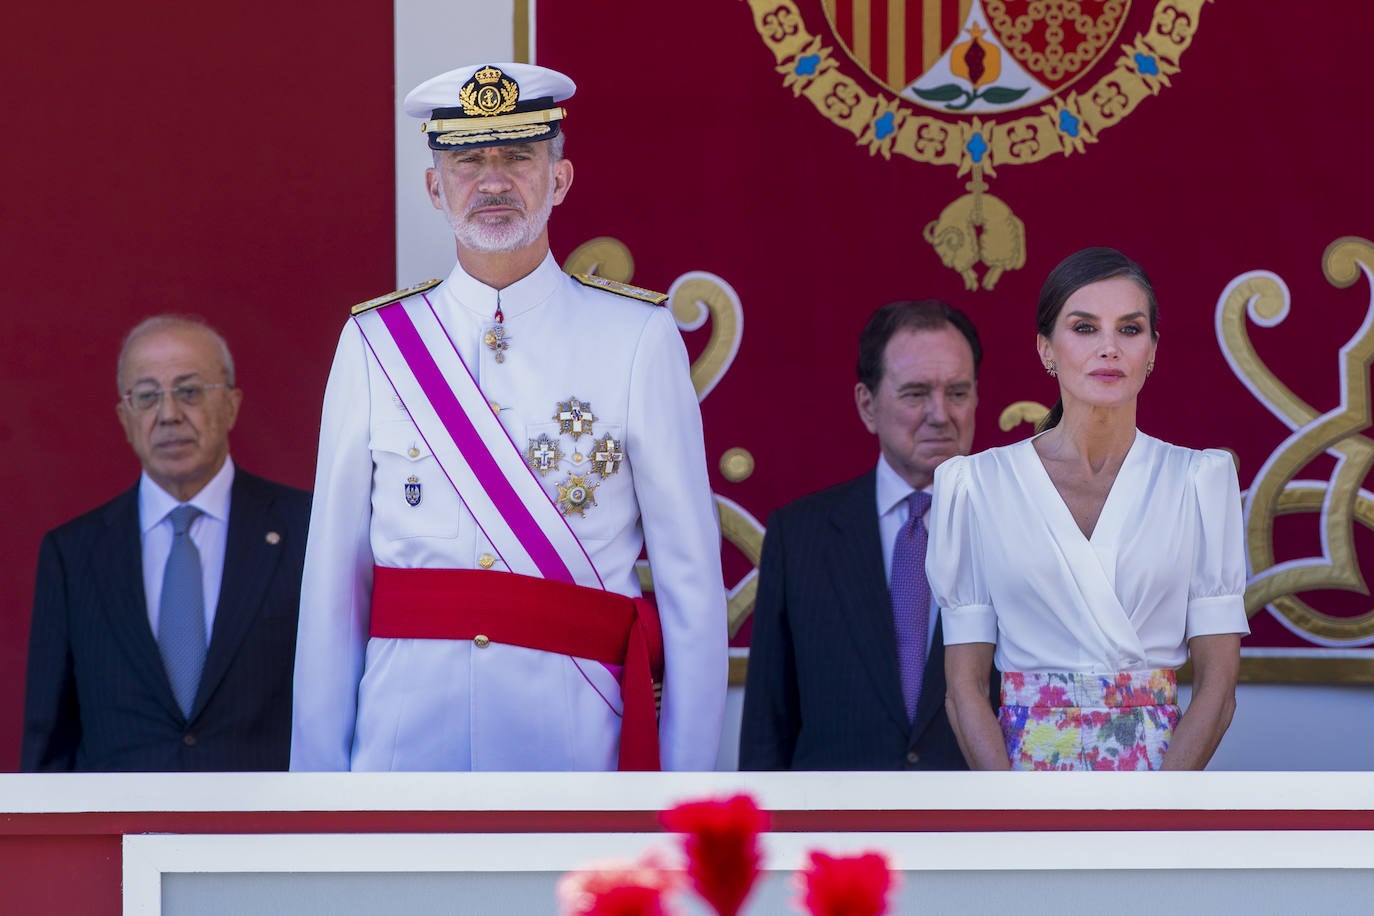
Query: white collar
{"type": "Point", "coordinates": [892, 489]}
{"type": "Point", "coordinates": [213, 500]}
{"type": "Point", "coordinates": [531, 290]}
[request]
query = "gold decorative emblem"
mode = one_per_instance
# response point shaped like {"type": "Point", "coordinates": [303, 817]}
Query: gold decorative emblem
{"type": "Point", "coordinates": [606, 457]}
{"type": "Point", "coordinates": [496, 340]}
{"type": "Point", "coordinates": [574, 418]}
{"type": "Point", "coordinates": [576, 495]}
{"type": "Point", "coordinates": [951, 83]}
{"type": "Point", "coordinates": [490, 92]}
{"type": "Point", "coordinates": [543, 454]}
{"type": "Point", "coordinates": [1339, 501]}
{"type": "Point", "coordinates": [736, 465]}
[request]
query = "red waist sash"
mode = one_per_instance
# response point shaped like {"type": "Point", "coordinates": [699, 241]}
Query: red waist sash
{"type": "Point", "coordinates": [536, 614]}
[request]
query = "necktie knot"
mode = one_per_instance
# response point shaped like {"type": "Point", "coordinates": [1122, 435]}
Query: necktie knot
{"type": "Point", "coordinates": [917, 504]}
{"type": "Point", "coordinates": [182, 517]}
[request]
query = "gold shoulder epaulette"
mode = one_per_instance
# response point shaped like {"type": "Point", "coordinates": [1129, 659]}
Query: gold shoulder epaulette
{"type": "Point", "coordinates": [621, 289]}
{"type": "Point", "coordinates": [394, 297]}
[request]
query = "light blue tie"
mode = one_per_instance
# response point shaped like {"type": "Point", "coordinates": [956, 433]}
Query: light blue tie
{"type": "Point", "coordinates": [911, 600]}
{"type": "Point", "coordinates": [181, 619]}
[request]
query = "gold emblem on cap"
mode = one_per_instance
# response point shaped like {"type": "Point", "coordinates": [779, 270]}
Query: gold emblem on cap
{"type": "Point", "coordinates": [576, 495]}
{"type": "Point", "coordinates": [574, 418]}
{"type": "Point", "coordinates": [489, 92]}
{"type": "Point", "coordinates": [543, 454]}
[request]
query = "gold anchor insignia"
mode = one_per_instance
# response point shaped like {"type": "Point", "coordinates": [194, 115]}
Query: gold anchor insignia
{"type": "Point", "coordinates": [496, 340]}
{"type": "Point", "coordinates": [543, 454]}
{"type": "Point", "coordinates": [574, 418]}
{"type": "Point", "coordinates": [607, 456]}
{"type": "Point", "coordinates": [1339, 500]}
{"type": "Point", "coordinates": [576, 495]}
{"type": "Point", "coordinates": [489, 92]}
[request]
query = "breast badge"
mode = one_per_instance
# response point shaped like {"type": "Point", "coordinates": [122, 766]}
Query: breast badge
{"type": "Point", "coordinates": [413, 490]}
{"type": "Point", "coordinates": [543, 454]}
{"type": "Point", "coordinates": [496, 340]}
{"type": "Point", "coordinates": [606, 457]}
{"type": "Point", "coordinates": [576, 495]}
{"type": "Point", "coordinates": [574, 418]}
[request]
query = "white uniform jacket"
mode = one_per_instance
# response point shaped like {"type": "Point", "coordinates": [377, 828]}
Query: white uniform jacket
{"type": "Point", "coordinates": [428, 704]}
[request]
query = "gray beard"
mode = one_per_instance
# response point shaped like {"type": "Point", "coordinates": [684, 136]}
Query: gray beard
{"type": "Point", "coordinates": [509, 235]}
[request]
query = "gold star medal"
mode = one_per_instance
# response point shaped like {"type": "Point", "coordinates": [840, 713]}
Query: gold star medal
{"type": "Point", "coordinates": [606, 456]}
{"type": "Point", "coordinates": [496, 340]}
{"type": "Point", "coordinates": [575, 495]}
{"type": "Point", "coordinates": [574, 418]}
{"type": "Point", "coordinates": [543, 454]}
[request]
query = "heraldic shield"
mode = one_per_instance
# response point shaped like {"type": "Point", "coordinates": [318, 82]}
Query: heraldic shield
{"type": "Point", "coordinates": [977, 84]}
{"type": "Point", "coordinates": [966, 54]}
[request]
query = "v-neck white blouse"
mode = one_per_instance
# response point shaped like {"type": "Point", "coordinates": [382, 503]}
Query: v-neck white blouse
{"type": "Point", "coordinates": [1008, 564]}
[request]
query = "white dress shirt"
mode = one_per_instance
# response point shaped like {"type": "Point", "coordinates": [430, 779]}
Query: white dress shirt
{"type": "Point", "coordinates": [1165, 563]}
{"type": "Point", "coordinates": [209, 532]}
{"type": "Point", "coordinates": [893, 510]}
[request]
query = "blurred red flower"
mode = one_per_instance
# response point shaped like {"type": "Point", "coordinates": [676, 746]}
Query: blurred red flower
{"type": "Point", "coordinates": [721, 843]}
{"type": "Point", "coordinates": [846, 885]}
{"type": "Point", "coordinates": [618, 889]}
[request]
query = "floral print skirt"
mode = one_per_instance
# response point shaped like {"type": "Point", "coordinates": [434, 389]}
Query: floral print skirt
{"type": "Point", "coordinates": [1067, 721]}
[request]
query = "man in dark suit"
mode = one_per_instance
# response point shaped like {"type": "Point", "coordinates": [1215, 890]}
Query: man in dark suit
{"type": "Point", "coordinates": [831, 684]}
{"type": "Point", "coordinates": [130, 667]}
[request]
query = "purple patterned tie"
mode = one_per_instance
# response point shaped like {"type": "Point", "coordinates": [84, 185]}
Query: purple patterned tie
{"type": "Point", "coordinates": [911, 599]}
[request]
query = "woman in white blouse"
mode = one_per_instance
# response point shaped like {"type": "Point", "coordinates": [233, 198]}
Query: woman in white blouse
{"type": "Point", "coordinates": [1090, 561]}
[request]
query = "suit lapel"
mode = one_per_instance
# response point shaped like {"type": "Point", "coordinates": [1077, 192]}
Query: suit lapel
{"type": "Point", "coordinates": [861, 582]}
{"type": "Point", "coordinates": [117, 564]}
{"type": "Point", "coordinates": [249, 561]}
{"type": "Point", "coordinates": [932, 684]}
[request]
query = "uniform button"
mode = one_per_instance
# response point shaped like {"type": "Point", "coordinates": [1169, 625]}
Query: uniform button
{"type": "Point", "coordinates": [189, 740]}
{"type": "Point", "coordinates": [413, 452]}
{"type": "Point", "coordinates": [495, 407]}
{"type": "Point", "coordinates": [486, 561]}
{"type": "Point", "coordinates": [481, 641]}
{"type": "Point", "coordinates": [913, 757]}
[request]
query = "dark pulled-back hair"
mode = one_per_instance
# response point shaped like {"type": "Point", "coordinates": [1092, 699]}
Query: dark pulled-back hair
{"type": "Point", "coordinates": [909, 315]}
{"type": "Point", "coordinates": [1080, 269]}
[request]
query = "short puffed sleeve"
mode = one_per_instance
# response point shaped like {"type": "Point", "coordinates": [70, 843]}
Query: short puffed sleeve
{"type": "Point", "coordinates": [1216, 594]}
{"type": "Point", "coordinates": [954, 561]}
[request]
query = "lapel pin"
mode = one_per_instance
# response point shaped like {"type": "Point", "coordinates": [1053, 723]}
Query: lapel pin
{"type": "Point", "coordinates": [273, 538]}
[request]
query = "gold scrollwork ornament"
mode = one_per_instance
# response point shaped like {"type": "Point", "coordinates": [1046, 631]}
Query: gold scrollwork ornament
{"type": "Point", "coordinates": [1339, 501]}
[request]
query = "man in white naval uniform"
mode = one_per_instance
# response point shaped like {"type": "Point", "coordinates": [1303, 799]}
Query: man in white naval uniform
{"type": "Point", "coordinates": [592, 389]}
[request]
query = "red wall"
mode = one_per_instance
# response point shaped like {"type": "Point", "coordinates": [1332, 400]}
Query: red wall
{"type": "Point", "coordinates": [228, 160]}
{"type": "Point", "coordinates": [690, 149]}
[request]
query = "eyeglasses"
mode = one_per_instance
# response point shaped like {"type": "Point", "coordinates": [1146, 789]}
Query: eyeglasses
{"type": "Point", "coordinates": [145, 399]}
